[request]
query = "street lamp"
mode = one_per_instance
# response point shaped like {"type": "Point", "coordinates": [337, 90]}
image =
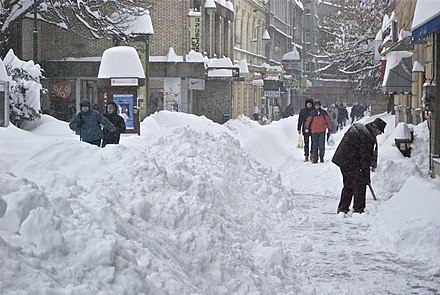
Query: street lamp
{"type": "Point", "coordinates": [140, 29]}
{"type": "Point", "coordinates": [210, 9]}
{"type": "Point", "coordinates": [265, 37]}
{"type": "Point", "coordinates": [35, 31]}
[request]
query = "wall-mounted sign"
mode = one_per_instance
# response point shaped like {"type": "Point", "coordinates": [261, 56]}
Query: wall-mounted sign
{"type": "Point", "coordinates": [272, 94]}
{"type": "Point", "coordinates": [61, 89]}
{"type": "Point", "coordinates": [194, 33]}
{"type": "Point", "coordinates": [196, 84]}
{"type": "Point", "coordinates": [124, 82]}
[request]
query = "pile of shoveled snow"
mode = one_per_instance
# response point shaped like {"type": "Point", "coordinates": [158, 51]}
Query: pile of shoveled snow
{"type": "Point", "coordinates": [182, 209]}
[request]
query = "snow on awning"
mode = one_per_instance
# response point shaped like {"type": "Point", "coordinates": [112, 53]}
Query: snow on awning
{"type": "Point", "coordinates": [426, 19]}
{"type": "Point", "coordinates": [222, 68]}
{"type": "Point", "coordinates": [112, 67]}
{"type": "Point", "coordinates": [397, 78]}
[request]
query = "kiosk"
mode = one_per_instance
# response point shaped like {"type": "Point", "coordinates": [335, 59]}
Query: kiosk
{"type": "Point", "coordinates": [119, 78]}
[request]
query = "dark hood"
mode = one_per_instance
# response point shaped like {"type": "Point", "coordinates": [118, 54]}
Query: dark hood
{"type": "Point", "coordinates": [84, 102]}
{"type": "Point", "coordinates": [114, 105]}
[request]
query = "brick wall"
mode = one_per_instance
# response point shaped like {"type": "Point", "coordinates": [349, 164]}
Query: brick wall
{"type": "Point", "coordinates": [214, 102]}
{"type": "Point", "coordinates": [171, 27]}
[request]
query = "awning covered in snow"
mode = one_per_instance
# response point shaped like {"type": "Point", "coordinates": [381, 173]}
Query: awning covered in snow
{"type": "Point", "coordinates": [397, 78]}
{"type": "Point", "coordinates": [426, 19]}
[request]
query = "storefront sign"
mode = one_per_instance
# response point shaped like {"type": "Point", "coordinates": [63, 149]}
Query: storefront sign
{"type": "Point", "coordinates": [124, 82]}
{"type": "Point", "coordinates": [194, 33]}
{"type": "Point", "coordinates": [61, 89]}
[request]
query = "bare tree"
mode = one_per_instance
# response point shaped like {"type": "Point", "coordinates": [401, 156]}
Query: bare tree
{"type": "Point", "coordinates": [347, 42]}
{"type": "Point", "coordinates": [92, 19]}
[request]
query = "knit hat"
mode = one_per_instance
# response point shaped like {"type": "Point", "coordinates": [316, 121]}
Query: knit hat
{"type": "Point", "coordinates": [84, 102]}
{"type": "Point", "coordinates": [379, 124]}
{"type": "Point", "coordinates": [317, 102]}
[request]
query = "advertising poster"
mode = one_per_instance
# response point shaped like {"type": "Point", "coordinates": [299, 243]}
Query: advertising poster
{"type": "Point", "coordinates": [125, 108]}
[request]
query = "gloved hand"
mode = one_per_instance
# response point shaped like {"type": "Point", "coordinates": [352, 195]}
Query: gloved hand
{"type": "Point", "coordinates": [299, 131]}
{"type": "Point", "coordinates": [306, 130]}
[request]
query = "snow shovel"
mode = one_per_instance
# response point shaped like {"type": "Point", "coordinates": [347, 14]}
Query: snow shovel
{"type": "Point", "coordinates": [372, 192]}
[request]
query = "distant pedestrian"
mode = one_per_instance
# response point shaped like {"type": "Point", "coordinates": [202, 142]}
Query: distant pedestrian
{"type": "Point", "coordinates": [288, 112]}
{"type": "Point", "coordinates": [256, 113]}
{"type": "Point", "coordinates": [301, 127]}
{"type": "Point", "coordinates": [356, 153]}
{"type": "Point", "coordinates": [317, 124]}
{"type": "Point", "coordinates": [342, 116]}
{"type": "Point", "coordinates": [87, 124]}
{"type": "Point", "coordinates": [112, 115]}
{"type": "Point", "coordinates": [332, 112]}
{"type": "Point", "coordinates": [354, 112]}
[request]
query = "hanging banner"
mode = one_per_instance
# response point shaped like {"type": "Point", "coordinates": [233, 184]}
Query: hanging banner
{"type": "Point", "coordinates": [194, 33]}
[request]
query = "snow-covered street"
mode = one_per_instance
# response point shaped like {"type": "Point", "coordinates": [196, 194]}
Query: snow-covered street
{"type": "Point", "coordinates": [193, 207]}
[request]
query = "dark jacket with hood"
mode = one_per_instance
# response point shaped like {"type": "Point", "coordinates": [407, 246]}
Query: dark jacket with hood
{"type": "Point", "coordinates": [356, 152]}
{"type": "Point", "coordinates": [304, 115]}
{"type": "Point", "coordinates": [88, 124]}
{"type": "Point", "coordinates": [118, 122]}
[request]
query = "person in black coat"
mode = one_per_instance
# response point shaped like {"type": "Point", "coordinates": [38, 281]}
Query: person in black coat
{"type": "Point", "coordinates": [356, 153]}
{"type": "Point", "coordinates": [117, 121]}
{"type": "Point", "coordinates": [302, 119]}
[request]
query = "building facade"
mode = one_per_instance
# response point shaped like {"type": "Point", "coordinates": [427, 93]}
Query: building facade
{"type": "Point", "coordinates": [249, 45]}
{"type": "Point", "coordinates": [412, 81]}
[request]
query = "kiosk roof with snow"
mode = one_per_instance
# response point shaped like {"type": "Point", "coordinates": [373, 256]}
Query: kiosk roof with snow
{"type": "Point", "coordinates": [122, 66]}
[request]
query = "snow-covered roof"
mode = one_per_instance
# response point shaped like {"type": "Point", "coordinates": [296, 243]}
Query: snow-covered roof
{"type": "Point", "coordinates": [194, 56]}
{"type": "Point", "coordinates": [135, 25]}
{"type": "Point", "coordinates": [426, 19]}
{"type": "Point", "coordinates": [425, 11]}
{"type": "Point", "coordinates": [291, 55]}
{"type": "Point", "coordinates": [112, 67]}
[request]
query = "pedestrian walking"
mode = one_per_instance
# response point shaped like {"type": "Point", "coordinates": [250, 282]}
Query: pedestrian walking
{"type": "Point", "coordinates": [342, 116]}
{"type": "Point", "coordinates": [317, 124]}
{"type": "Point", "coordinates": [356, 153]}
{"type": "Point", "coordinates": [332, 112]}
{"type": "Point", "coordinates": [87, 123]}
{"type": "Point", "coordinates": [256, 113]}
{"type": "Point", "coordinates": [301, 127]}
{"type": "Point", "coordinates": [119, 122]}
{"type": "Point", "coordinates": [288, 112]}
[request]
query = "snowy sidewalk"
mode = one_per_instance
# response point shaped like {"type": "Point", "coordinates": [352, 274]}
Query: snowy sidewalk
{"type": "Point", "coordinates": [332, 254]}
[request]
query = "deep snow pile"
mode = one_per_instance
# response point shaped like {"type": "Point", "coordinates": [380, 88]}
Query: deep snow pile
{"type": "Point", "coordinates": [188, 207]}
{"type": "Point", "coordinates": [182, 209]}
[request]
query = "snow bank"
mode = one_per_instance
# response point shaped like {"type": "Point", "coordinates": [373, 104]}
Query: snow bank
{"type": "Point", "coordinates": [408, 223]}
{"type": "Point", "coordinates": [181, 209]}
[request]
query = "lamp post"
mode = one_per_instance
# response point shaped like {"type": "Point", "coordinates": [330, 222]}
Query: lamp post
{"type": "Point", "coordinates": [288, 61]}
{"type": "Point", "coordinates": [264, 37]}
{"type": "Point", "coordinates": [35, 56]}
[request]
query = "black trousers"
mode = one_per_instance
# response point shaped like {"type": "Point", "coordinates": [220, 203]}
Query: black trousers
{"type": "Point", "coordinates": [318, 144]}
{"type": "Point", "coordinates": [94, 142]}
{"type": "Point", "coordinates": [306, 137]}
{"type": "Point", "coordinates": [352, 189]}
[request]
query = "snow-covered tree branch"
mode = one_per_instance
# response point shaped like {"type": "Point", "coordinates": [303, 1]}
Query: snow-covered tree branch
{"type": "Point", "coordinates": [88, 18]}
{"type": "Point", "coordinates": [347, 42]}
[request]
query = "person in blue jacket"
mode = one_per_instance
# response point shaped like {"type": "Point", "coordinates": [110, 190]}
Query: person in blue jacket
{"type": "Point", "coordinates": [88, 124]}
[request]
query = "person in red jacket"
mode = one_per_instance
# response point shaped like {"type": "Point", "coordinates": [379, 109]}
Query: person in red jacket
{"type": "Point", "coordinates": [317, 124]}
